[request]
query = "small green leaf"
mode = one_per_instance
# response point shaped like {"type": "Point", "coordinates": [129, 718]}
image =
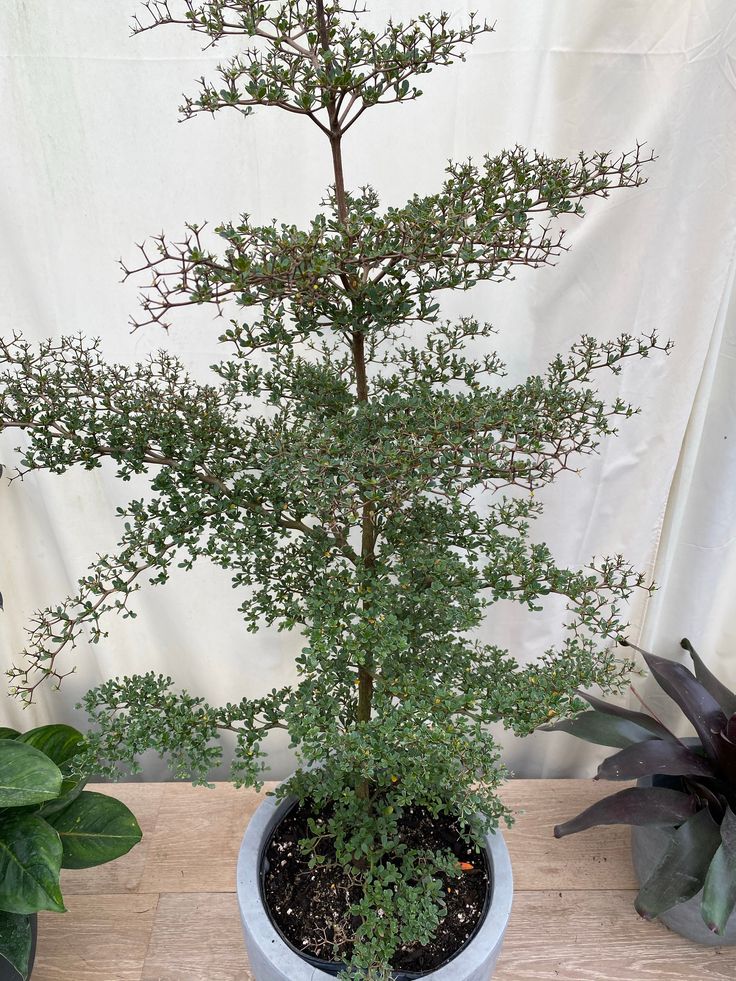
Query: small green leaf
{"type": "Point", "coordinates": [30, 861]}
{"type": "Point", "coordinates": [95, 829]}
{"type": "Point", "coordinates": [6, 733]}
{"type": "Point", "coordinates": [16, 941]}
{"type": "Point", "coordinates": [27, 776]}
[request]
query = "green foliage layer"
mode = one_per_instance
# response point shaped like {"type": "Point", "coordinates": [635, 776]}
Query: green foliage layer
{"type": "Point", "coordinates": [336, 462]}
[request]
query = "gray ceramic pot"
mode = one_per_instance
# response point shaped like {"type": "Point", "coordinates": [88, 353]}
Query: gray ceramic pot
{"type": "Point", "coordinates": [647, 847]}
{"type": "Point", "coordinates": [272, 960]}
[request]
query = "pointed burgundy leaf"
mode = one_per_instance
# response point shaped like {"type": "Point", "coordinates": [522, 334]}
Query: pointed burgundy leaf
{"type": "Point", "coordinates": [724, 696]}
{"type": "Point", "coordinates": [709, 798]}
{"type": "Point", "coordinates": [636, 806]}
{"type": "Point", "coordinates": [730, 732]}
{"type": "Point", "coordinates": [726, 758]}
{"type": "Point", "coordinates": [694, 699]}
{"type": "Point", "coordinates": [638, 718]}
{"type": "Point", "coordinates": [652, 757]}
{"type": "Point", "coordinates": [601, 728]}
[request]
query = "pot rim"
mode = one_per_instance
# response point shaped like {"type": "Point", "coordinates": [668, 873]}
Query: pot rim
{"type": "Point", "coordinates": [470, 958]}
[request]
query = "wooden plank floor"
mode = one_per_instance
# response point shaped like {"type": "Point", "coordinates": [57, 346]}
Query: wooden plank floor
{"type": "Point", "coordinates": [167, 911]}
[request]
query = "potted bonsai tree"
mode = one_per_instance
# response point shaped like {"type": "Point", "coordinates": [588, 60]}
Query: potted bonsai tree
{"type": "Point", "coordinates": [332, 464]}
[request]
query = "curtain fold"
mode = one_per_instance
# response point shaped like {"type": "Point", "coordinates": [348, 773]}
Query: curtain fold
{"type": "Point", "coordinates": [93, 160]}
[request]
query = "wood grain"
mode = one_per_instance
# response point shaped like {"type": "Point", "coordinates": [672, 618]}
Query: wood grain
{"type": "Point", "coordinates": [596, 936]}
{"type": "Point", "coordinates": [195, 845]}
{"type": "Point", "coordinates": [99, 938]}
{"type": "Point", "coordinates": [599, 858]}
{"type": "Point", "coordinates": [197, 937]}
{"type": "Point", "coordinates": [168, 911]}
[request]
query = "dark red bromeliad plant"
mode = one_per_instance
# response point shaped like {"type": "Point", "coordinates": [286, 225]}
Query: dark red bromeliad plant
{"type": "Point", "coordinates": [690, 787]}
{"type": "Point", "coordinates": [332, 462]}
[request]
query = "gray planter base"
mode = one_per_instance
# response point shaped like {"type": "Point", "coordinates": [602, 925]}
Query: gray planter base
{"type": "Point", "coordinates": [272, 960]}
{"type": "Point", "coordinates": [647, 847]}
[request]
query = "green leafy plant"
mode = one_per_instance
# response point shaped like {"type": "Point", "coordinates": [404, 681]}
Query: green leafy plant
{"type": "Point", "coordinates": [695, 796]}
{"type": "Point", "coordinates": [334, 462]}
{"type": "Point", "coordinates": [49, 822]}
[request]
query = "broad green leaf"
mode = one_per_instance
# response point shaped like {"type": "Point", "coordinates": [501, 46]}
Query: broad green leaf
{"type": "Point", "coordinates": [60, 743]}
{"type": "Point", "coordinates": [600, 728]}
{"type": "Point", "coordinates": [6, 733]}
{"type": "Point", "coordinates": [95, 829]}
{"type": "Point", "coordinates": [27, 776]}
{"type": "Point", "coordinates": [71, 788]}
{"type": "Point", "coordinates": [30, 861]}
{"type": "Point", "coordinates": [16, 941]}
{"type": "Point", "coordinates": [681, 871]}
{"type": "Point", "coordinates": [719, 893]}
{"type": "Point", "coordinates": [636, 806]}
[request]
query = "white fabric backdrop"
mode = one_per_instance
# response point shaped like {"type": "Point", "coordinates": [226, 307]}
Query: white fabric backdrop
{"type": "Point", "coordinates": [93, 159]}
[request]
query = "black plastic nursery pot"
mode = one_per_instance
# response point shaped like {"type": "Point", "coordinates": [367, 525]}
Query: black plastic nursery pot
{"type": "Point", "coordinates": [333, 968]}
{"type": "Point", "coordinates": [273, 958]}
{"type": "Point", "coordinates": [7, 971]}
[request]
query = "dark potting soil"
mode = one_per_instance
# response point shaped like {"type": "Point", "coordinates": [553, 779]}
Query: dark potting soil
{"type": "Point", "coordinates": [310, 906]}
